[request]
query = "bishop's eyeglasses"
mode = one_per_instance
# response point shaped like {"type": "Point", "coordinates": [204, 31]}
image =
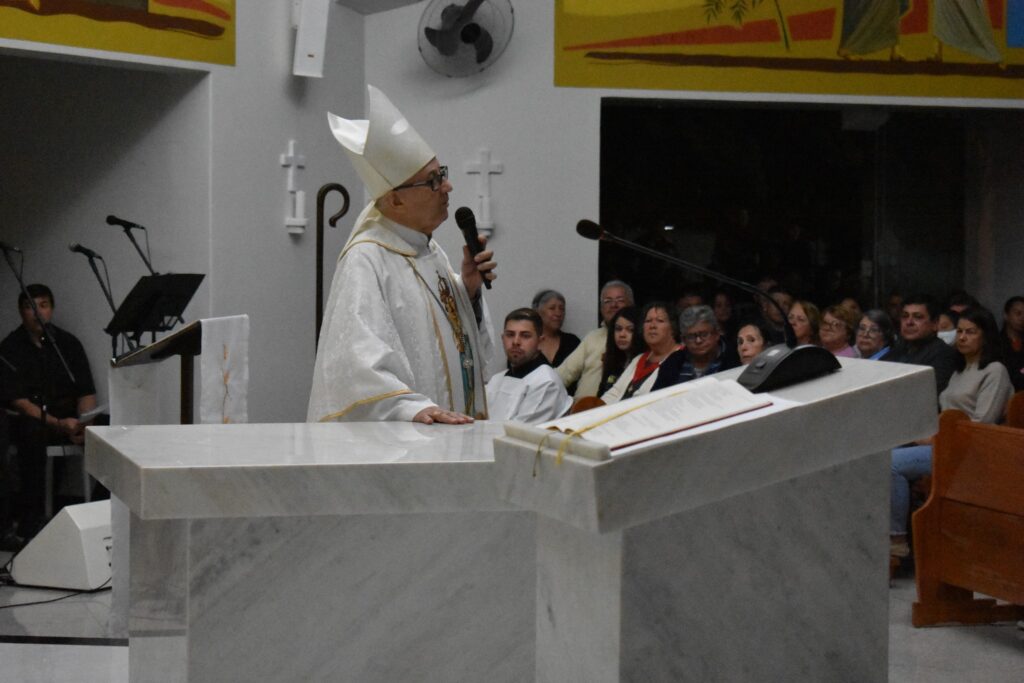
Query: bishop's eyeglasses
{"type": "Point", "coordinates": [434, 181]}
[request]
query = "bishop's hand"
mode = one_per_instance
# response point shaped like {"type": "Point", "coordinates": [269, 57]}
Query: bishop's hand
{"type": "Point", "coordinates": [435, 414]}
{"type": "Point", "coordinates": [476, 269]}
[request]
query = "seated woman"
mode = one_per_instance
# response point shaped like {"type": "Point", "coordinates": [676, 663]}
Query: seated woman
{"type": "Point", "coordinates": [980, 387]}
{"type": "Point", "coordinates": [875, 335]}
{"type": "Point", "coordinates": [704, 352]}
{"type": "Point", "coordinates": [554, 344]}
{"type": "Point", "coordinates": [625, 342]}
{"type": "Point", "coordinates": [837, 325]}
{"type": "Point", "coordinates": [661, 335]}
{"type": "Point", "coordinates": [752, 339]}
{"type": "Point", "coordinates": [806, 321]}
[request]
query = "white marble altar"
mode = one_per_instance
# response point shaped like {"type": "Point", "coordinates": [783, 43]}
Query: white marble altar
{"type": "Point", "coordinates": [392, 552]}
{"type": "Point", "coordinates": [753, 552]}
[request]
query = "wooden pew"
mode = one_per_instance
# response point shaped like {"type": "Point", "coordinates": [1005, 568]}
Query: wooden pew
{"type": "Point", "coordinates": [969, 535]}
{"type": "Point", "coordinates": [1015, 411]}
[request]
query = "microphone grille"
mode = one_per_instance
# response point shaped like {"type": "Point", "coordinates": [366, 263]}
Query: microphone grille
{"type": "Point", "coordinates": [464, 217]}
{"type": "Point", "coordinates": [589, 229]}
{"type": "Point", "coordinates": [73, 246]}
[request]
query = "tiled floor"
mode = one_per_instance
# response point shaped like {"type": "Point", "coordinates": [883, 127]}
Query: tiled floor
{"type": "Point", "coordinates": [975, 654]}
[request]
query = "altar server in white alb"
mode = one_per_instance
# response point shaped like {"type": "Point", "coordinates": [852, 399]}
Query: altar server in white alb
{"type": "Point", "coordinates": [530, 390]}
{"type": "Point", "coordinates": [404, 337]}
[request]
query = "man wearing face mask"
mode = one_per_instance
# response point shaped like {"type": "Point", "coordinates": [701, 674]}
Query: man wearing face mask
{"type": "Point", "coordinates": [919, 342]}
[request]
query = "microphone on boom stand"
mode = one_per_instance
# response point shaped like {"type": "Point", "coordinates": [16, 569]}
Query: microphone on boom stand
{"type": "Point", "coordinates": [777, 366]}
{"type": "Point", "coordinates": [76, 248]}
{"type": "Point", "coordinates": [128, 226]}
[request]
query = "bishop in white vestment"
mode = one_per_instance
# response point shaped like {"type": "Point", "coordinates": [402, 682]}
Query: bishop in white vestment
{"type": "Point", "coordinates": [404, 337]}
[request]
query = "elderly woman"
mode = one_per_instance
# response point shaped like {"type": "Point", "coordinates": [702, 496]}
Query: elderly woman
{"type": "Point", "coordinates": [751, 339]}
{"type": "Point", "coordinates": [805, 319]}
{"type": "Point", "coordinates": [837, 325]}
{"type": "Point", "coordinates": [704, 351]}
{"type": "Point", "coordinates": [875, 335]}
{"type": "Point", "coordinates": [661, 335]}
{"type": "Point", "coordinates": [625, 342]}
{"type": "Point", "coordinates": [980, 387]}
{"type": "Point", "coordinates": [554, 344]}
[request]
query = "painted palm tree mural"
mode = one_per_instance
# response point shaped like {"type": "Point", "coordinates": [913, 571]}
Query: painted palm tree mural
{"type": "Point", "coordinates": [945, 48]}
{"type": "Point", "coordinates": [739, 9]}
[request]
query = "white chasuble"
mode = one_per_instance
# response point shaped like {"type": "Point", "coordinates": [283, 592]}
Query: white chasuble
{"type": "Point", "coordinates": [399, 333]}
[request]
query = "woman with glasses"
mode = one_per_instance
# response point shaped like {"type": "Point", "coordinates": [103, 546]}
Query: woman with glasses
{"type": "Point", "coordinates": [805, 319]}
{"type": "Point", "coordinates": [980, 387]}
{"type": "Point", "coordinates": [661, 335]}
{"type": "Point", "coordinates": [875, 335]}
{"type": "Point", "coordinates": [555, 344]}
{"type": "Point", "coordinates": [837, 325]}
{"type": "Point", "coordinates": [704, 351]}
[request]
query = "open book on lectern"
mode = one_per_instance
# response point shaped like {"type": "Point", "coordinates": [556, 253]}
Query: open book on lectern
{"type": "Point", "coordinates": [657, 414]}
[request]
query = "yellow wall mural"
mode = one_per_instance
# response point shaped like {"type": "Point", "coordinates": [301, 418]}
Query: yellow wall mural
{"type": "Point", "coordinates": [197, 30]}
{"type": "Point", "coordinates": [920, 48]}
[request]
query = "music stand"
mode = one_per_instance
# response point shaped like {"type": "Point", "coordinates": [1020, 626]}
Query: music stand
{"type": "Point", "coordinates": [155, 304]}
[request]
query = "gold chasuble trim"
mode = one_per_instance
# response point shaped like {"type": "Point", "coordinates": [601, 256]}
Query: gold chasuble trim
{"type": "Point", "coordinates": [388, 247]}
{"type": "Point", "coordinates": [437, 332]}
{"type": "Point", "coordinates": [362, 402]}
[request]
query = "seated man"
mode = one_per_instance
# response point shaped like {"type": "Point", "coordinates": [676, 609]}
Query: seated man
{"type": "Point", "coordinates": [530, 390]}
{"type": "Point", "coordinates": [40, 377]}
{"type": "Point", "coordinates": [919, 341]}
{"type": "Point", "coordinates": [704, 353]}
{"type": "Point", "coordinates": [584, 366]}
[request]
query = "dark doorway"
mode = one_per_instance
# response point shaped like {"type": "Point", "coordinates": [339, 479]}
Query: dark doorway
{"type": "Point", "coordinates": [830, 202]}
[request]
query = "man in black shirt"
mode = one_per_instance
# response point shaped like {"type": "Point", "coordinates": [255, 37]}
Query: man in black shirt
{"type": "Point", "coordinates": [919, 343]}
{"type": "Point", "coordinates": [40, 378]}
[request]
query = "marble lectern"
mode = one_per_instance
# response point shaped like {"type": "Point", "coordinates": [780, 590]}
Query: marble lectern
{"type": "Point", "coordinates": [402, 552]}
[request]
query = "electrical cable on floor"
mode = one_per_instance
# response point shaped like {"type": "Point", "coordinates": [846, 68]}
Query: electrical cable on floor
{"type": "Point", "coordinates": [98, 589]}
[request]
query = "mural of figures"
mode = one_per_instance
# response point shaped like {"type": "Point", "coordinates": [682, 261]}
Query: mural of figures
{"type": "Point", "coordinates": [199, 30]}
{"type": "Point", "coordinates": [965, 25]}
{"type": "Point", "coordinates": [923, 48]}
{"type": "Point", "coordinates": [870, 25]}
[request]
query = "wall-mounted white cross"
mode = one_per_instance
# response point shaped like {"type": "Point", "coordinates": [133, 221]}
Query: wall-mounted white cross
{"type": "Point", "coordinates": [295, 217]}
{"type": "Point", "coordinates": [484, 169]}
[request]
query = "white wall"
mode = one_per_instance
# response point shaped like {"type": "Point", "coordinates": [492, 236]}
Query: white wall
{"type": "Point", "coordinates": [194, 157]}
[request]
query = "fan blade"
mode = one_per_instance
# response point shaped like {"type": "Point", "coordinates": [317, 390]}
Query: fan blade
{"type": "Point", "coordinates": [484, 44]}
{"type": "Point", "coordinates": [446, 42]}
{"type": "Point", "coordinates": [469, 9]}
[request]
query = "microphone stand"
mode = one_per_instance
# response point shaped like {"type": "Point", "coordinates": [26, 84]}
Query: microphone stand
{"type": "Point", "coordinates": [131, 237]}
{"type": "Point", "coordinates": [110, 301]}
{"type": "Point", "coordinates": [149, 266]}
{"type": "Point", "coordinates": [777, 366]}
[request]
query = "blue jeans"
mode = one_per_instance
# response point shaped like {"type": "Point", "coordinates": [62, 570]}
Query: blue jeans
{"type": "Point", "coordinates": [909, 463]}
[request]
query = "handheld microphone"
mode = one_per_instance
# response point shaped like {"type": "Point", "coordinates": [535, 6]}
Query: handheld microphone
{"type": "Point", "coordinates": [79, 249]}
{"type": "Point", "coordinates": [7, 247]}
{"type": "Point", "coordinates": [127, 225]}
{"type": "Point", "coordinates": [467, 224]}
{"type": "Point", "coordinates": [775, 367]}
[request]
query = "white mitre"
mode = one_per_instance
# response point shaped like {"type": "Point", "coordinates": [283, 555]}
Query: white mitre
{"type": "Point", "coordinates": [385, 150]}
